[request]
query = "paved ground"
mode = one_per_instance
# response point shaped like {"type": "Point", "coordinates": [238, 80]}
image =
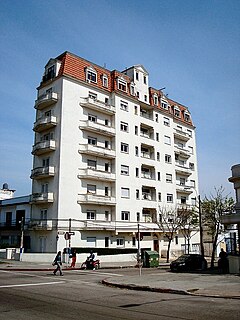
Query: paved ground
{"type": "Point", "coordinates": [161, 280]}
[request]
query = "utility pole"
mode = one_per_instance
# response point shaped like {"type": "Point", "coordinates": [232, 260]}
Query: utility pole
{"type": "Point", "coordinates": [139, 249]}
{"type": "Point", "coordinates": [69, 231]}
{"type": "Point", "coordinates": [200, 226]}
{"type": "Point", "coordinates": [21, 242]}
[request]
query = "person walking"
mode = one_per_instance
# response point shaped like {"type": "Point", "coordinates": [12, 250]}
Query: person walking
{"type": "Point", "coordinates": [74, 258]}
{"type": "Point", "coordinates": [58, 263]}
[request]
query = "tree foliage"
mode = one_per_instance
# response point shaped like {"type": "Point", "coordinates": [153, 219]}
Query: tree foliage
{"type": "Point", "coordinates": [213, 208]}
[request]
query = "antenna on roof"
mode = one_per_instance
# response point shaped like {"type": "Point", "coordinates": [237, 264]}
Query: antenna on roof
{"type": "Point", "coordinates": [104, 65]}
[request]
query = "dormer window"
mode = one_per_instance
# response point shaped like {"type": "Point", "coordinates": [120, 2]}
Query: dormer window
{"type": "Point", "coordinates": [122, 85]}
{"type": "Point", "coordinates": [49, 73]}
{"type": "Point", "coordinates": [176, 111]}
{"type": "Point", "coordinates": [132, 90]}
{"type": "Point", "coordinates": [91, 75]}
{"type": "Point", "coordinates": [186, 117]}
{"type": "Point", "coordinates": [105, 80]}
{"type": "Point", "coordinates": [155, 99]}
{"type": "Point", "coordinates": [164, 104]}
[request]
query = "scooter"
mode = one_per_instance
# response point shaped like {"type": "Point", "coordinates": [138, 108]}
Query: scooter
{"type": "Point", "coordinates": [90, 264]}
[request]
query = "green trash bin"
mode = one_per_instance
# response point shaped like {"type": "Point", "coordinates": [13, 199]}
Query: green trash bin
{"type": "Point", "coordinates": [151, 259]}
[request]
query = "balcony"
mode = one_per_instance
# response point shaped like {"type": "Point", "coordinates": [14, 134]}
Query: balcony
{"type": "Point", "coordinates": [184, 189]}
{"type": "Point", "coordinates": [92, 198]}
{"type": "Point", "coordinates": [181, 135]}
{"type": "Point", "coordinates": [39, 198]}
{"type": "Point", "coordinates": [42, 172]}
{"type": "Point", "coordinates": [98, 105]}
{"type": "Point", "coordinates": [97, 151]}
{"type": "Point", "coordinates": [46, 225]}
{"type": "Point", "coordinates": [44, 147]}
{"type": "Point", "coordinates": [97, 128]}
{"type": "Point", "coordinates": [146, 114]}
{"type": "Point", "coordinates": [93, 174]}
{"type": "Point", "coordinates": [184, 153]}
{"type": "Point", "coordinates": [45, 123]}
{"type": "Point", "coordinates": [46, 100]}
{"type": "Point", "coordinates": [182, 170]}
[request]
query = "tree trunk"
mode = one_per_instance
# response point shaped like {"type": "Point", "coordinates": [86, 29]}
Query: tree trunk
{"type": "Point", "coordinates": [168, 249]}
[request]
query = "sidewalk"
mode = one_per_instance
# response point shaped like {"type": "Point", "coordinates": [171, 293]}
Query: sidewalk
{"type": "Point", "coordinates": [200, 284]}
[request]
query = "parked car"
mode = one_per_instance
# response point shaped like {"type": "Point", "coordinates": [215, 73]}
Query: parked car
{"type": "Point", "coordinates": [189, 262]}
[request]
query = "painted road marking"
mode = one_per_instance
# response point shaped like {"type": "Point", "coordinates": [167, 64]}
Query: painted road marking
{"type": "Point", "coordinates": [31, 284]}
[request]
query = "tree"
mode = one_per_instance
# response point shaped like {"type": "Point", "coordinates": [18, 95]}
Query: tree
{"type": "Point", "coordinates": [189, 222]}
{"type": "Point", "coordinates": [172, 220]}
{"type": "Point", "coordinates": [213, 208]}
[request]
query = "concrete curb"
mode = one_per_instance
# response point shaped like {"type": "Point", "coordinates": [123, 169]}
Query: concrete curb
{"type": "Point", "coordinates": [164, 290]}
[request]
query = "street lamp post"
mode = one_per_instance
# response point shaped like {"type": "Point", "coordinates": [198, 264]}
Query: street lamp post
{"type": "Point", "coordinates": [21, 242]}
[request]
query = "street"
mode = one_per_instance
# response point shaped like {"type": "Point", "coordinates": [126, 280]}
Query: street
{"type": "Point", "coordinates": [80, 295]}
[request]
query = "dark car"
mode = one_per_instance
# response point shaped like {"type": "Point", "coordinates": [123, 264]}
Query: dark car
{"type": "Point", "coordinates": [189, 262]}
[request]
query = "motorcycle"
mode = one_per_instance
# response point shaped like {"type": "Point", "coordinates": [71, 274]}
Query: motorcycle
{"type": "Point", "coordinates": [90, 264]}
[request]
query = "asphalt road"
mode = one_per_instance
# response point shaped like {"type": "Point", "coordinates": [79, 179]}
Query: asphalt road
{"type": "Point", "coordinates": [80, 295]}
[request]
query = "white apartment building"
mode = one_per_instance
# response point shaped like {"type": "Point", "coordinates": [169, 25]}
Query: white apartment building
{"type": "Point", "coordinates": [108, 152]}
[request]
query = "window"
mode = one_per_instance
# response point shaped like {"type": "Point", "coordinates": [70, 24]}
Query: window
{"type": "Point", "coordinates": [125, 192]}
{"type": "Point", "coordinates": [92, 164]}
{"type": "Point", "coordinates": [137, 94]}
{"type": "Point", "coordinates": [189, 132]}
{"type": "Point", "coordinates": [45, 162]}
{"type": "Point", "coordinates": [169, 197]}
{"type": "Point", "coordinates": [156, 117]}
{"type": "Point", "coordinates": [106, 242]}
{"type": "Point", "coordinates": [107, 144]}
{"type": "Point", "coordinates": [124, 126]}
{"type": "Point", "coordinates": [135, 109]}
{"type": "Point", "coordinates": [106, 122]}
{"type": "Point", "coordinates": [193, 201]}
{"type": "Point", "coordinates": [191, 166]}
{"type": "Point", "coordinates": [123, 105]}
{"type": "Point", "coordinates": [176, 239]}
{"type": "Point", "coordinates": [186, 117]}
{"type": "Point", "coordinates": [166, 121]}
{"type": "Point", "coordinates": [179, 128]}
{"type": "Point", "coordinates": [138, 216]}
{"type": "Point", "coordinates": [182, 181]}
{"type": "Point", "coordinates": [136, 130]}
{"type": "Point", "coordinates": [168, 178]}
{"type": "Point", "coordinates": [120, 242]}
{"type": "Point", "coordinates": [157, 136]}
{"type": "Point", "coordinates": [158, 156]}
{"type": "Point", "coordinates": [92, 140]}
{"type": "Point", "coordinates": [105, 81]}
{"type": "Point", "coordinates": [155, 99]}
{"type": "Point", "coordinates": [159, 176]}
{"type": "Point", "coordinates": [190, 150]}
{"type": "Point", "coordinates": [167, 140]}
{"type": "Point", "coordinates": [164, 105]}
{"type": "Point", "coordinates": [145, 98]}
{"type": "Point", "coordinates": [44, 188]}
{"type": "Point", "coordinates": [137, 172]}
{"type": "Point", "coordinates": [137, 76]}
{"type": "Point", "coordinates": [159, 196]}
{"type": "Point", "coordinates": [134, 241]}
{"type": "Point", "coordinates": [92, 118]}
{"type": "Point", "coordinates": [192, 183]}
{"type": "Point", "coordinates": [168, 158]}
{"type": "Point", "coordinates": [107, 101]}
{"type": "Point", "coordinates": [136, 151]}
{"type": "Point", "coordinates": [183, 200]}
{"type": "Point", "coordinates": [122, 85]}
{"type": "Point", "coordinates": [144, 79]}
{"type": "Point", "coordinates": [132, 91]}
{"type": "Point", "coordinates": [106, 192]}
{"type": "Point", "coordinates": [92, 95]}
{"type": "Point", "coordinates": [125, 215]}
{"type": "Point", "coordinates": [176, 111]}
{"type": "Point", "coordinates": [91, 75]}
{"type": "Point", "coordinates": [124, 170]}
{"type": "Point", "coordinates": [137, 194]}
{"type": "Point", "coordinates": [124, 147]}
{"type": "Point", "coordinates": [91, 215]}
{"type": "Point", "coordinates": [107, 215]}
{"type": "Point", "coordinates": [91, 188]}
{"type": "Point", "coordinates": [107, 167]}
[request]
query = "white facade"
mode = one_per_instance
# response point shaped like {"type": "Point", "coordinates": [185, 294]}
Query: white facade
{"type": "Point", "coordinates": [105, 159]}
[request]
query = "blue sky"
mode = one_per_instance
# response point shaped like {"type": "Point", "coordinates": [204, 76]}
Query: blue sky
{"type": "Point", "coordinates": [190, 47]}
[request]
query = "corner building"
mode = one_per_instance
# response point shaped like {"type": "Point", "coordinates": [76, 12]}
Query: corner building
{"type": "Point", "coordinates": [108, 151]}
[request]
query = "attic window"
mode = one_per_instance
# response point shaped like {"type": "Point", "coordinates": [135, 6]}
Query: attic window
{"type": "Point", "coordinates": [176, 111]}
{"type": "Point", "coordinates": [155, 99]}
{"type": "Point", "coordinates": [49, 73]}
{"type": "Point", "coordinates": [186, 117]}
{"type": "Point", "coordinates": [164, 104]}
{"type": "Point", "coordinates": [122, 85]}
{"type": "Point", "coordinates": [105, 80]}
{"type": "Point", "coordinates": [132, 89]}
{"type": "Point", "coordinates": [91, 75]}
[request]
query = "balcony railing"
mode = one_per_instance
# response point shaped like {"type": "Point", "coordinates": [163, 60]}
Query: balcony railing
{"type": "Point", "coordinates": [42, 224]}
{"type": "Point", "coordinates": [184, 189]}
{"type": "Point", "coordinates": [93, 198]}
{"type": "Point", "coordinates": [184, 136]}
{"type": "Point", "coordinates": [46, 100]}
{"type": "Point", "coordinates": [44, 147]}
{"type": "Point", "coordinates": [184, 153]}
{"type": "Point", "coordinates": [183, 170]}
{"type": "Point", "coordinates": [45, 123]}
{"type": "Point", "coordinates": [98, 151]}
{"type": "Point", "coordinates": [97, 127]}
{"type": "Point", "coordinates": [46, 197]}
{"type": "Point", "coordinates": [94, 174]}
{"type": "Point", "coordinates": [42, 172]}
{"type": "Point", "coordinates": [147, 175]}
{"type": "Point", "coordinates": [97, 105]}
